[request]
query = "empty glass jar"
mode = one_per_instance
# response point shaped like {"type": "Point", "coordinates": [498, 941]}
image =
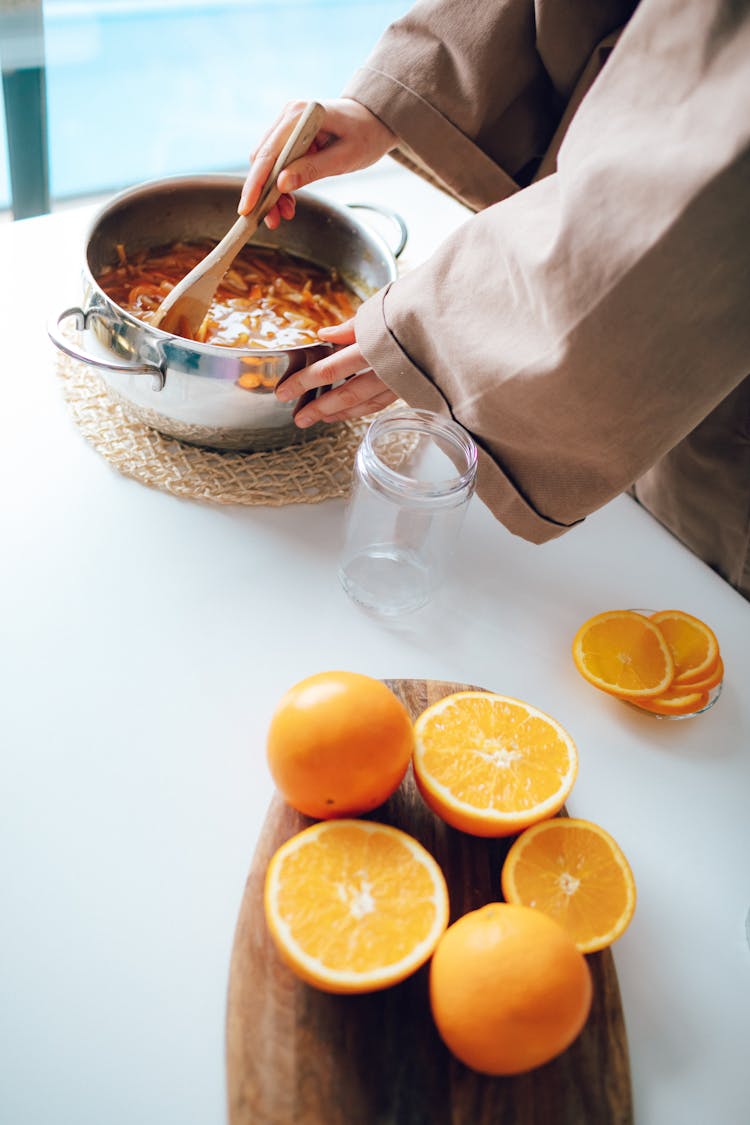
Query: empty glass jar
{"type": "Point", "coordinates": [414, 476]}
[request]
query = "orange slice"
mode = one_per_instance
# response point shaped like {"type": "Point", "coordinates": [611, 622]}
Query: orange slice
{"type": "Point", "coordinates": [623, 653]}
{"type": "Point", "coordinates": [573, 871]}
{"type": "Point", "coordinates": [711, 681]}
{"type": "Point", "coordinates": [353, 905]}
{"type": "Point", "coordinates": [490, 765]}
{"type": "Point", "coordinates": [694, 647]}
{"type": "Point", "coordinates": [673, 703]}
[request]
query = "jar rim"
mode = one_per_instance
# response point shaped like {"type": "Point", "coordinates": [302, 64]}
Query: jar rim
{"type": "Point", "coordinates": [433, 425]}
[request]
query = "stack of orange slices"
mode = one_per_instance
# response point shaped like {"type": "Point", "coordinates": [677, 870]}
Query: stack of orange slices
{"type": "Point", "coordinates": [667, 663]}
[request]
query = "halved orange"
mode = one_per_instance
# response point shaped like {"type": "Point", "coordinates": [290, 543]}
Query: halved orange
{"type": "Point", "coordinates": [354, 905]}
{"type": "Point", "coordinates": [573, 871]}
{"type": "Point", "coordinates": [490, 765]}
{"type": "Point", "coordinates": [623, 653]}
{"type": "Point", "coordinates": [694, 647]}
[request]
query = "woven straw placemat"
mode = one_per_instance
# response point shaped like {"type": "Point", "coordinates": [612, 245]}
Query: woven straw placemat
{"type": "Point", "coordinates": [315, 470]}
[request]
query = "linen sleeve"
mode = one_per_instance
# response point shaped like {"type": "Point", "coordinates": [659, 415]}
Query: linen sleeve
{"type": "Point", "coordinates": [475, 88]}
{"type": "Point", "coordinates": [581, 327]}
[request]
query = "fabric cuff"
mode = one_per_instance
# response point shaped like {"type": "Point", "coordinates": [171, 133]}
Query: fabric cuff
{"type": "Point", "coordinates": [384, 354]}
{"type": "Point", "coordinates": [429, 139]}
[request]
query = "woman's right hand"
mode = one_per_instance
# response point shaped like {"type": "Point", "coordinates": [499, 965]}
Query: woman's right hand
{"type": "Point", "coordinates": [351, 138]}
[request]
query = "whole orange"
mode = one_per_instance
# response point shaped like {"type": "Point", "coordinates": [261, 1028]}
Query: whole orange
{"type": "Point", "coordinates": [508, 989]}
{"type": "Point", "coordinates": [339, 743]}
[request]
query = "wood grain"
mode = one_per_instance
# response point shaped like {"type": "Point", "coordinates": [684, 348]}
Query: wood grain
{"type": "Point", "coordinates": [297, 1056]}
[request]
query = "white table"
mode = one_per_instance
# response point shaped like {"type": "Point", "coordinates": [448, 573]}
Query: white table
{"type": "Point", "coordinates": [145, 641]}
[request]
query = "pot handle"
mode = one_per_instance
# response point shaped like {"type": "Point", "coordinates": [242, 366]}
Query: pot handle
{"type": "Point", "coordinates": [394, 217]}
{"type": "Point", "coordinates": [82, 323]}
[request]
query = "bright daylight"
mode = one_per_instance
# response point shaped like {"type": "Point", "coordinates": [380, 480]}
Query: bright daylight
{"type": "Point", "coordinates": [375, 741]}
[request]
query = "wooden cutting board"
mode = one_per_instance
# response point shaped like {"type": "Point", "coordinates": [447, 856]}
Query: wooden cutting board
{"type": "Point", "coordinates": [298, 1056]}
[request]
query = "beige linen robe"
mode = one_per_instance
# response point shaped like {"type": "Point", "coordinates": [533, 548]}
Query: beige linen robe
{"type": "Point", "coordinates": [590, 324]}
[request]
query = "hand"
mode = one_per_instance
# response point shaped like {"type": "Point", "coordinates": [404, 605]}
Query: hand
{"type": "Point", "coordinates": [351, 138]}
{"type": "Point", "coordinates": [362, 393]}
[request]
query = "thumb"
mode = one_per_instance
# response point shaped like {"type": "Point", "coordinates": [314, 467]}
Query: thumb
{"type": "Point", "coordinates": [305, 170]}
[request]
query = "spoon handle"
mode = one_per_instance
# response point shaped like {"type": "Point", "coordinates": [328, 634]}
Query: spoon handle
{"type": "Point", "coordinates": [187, 304]}
{"type": "Point", "coordinates": [296, 145]}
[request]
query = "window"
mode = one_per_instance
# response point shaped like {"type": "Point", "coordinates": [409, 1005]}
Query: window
{"type": "Point", "coordinates": [140, 89]}
{"type": "Point", "coordinates": [4, 174]}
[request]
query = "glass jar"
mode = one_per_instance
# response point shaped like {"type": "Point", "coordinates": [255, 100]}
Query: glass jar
{"type": "Point", "coordinates": [414, 476]}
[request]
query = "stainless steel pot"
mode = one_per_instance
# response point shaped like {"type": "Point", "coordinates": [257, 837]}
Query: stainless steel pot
{"type": "Point", "coordinates": [190, 390]}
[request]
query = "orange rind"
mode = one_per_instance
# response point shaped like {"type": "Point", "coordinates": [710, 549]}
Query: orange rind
{"type": "Point", "coordinates": [673, 704]}
{"type": "Point", "coordinates": [338, 744]}
{"type": "Point", "coordinates": [712, 681]}
{"type": "Point", "coordinates": [694, 647]}
{"type": "Point", "coordinates": [623, 653]}
{"type": "Point", "coordinates": [490, 765]}
{"type": "Point", "coordinates": [509, 991]}
{"type": "Point", "coordinates": [574, 872]}
{"type": "Point", "coordinates": [353, 905]}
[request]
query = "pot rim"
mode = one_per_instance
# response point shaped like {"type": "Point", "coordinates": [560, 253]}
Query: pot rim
{"type": "Point", "coordinates": [208, 180]}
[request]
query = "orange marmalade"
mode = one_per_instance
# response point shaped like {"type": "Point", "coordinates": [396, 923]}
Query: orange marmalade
{"type": "Point", "coordinates": [268, 299]}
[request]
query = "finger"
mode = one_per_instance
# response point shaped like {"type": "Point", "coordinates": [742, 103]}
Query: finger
{"type": "Point", "coordinates": [359, 395]}
{"type": "Point", "coordinates": [290, 113]}
{"type": "Point", "coordinates": [339, 333]}
{"type": "Point", "coordinates": [287, 206]}
{"type": "Point", "coordinates": [273, 218]}
{"type": "Point", "coordinates": [363, 394]}
{"type": "Point", "coordinates": [262, 161]}
{"type": "Point", "coordinates": [272, 141]}
{"type": "Point", "coordinates": [264, 156]}
{"type": "Point", "coordinates": [302, 171]}
{"type": "Point", "coordinates": [354, 394]}
{"type": "Point", "coordinates": [333, 155]}
{"type": "Point", "coordinates": [338, 365]}
{"type": "Point", "coordinates": [372, 406]}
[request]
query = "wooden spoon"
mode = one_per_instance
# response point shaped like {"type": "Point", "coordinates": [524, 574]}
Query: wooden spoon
{"type": "Point", "coordinates": [186, 305]}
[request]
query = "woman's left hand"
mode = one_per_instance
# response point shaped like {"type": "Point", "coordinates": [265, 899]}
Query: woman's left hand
{"type": "Point", "coordinates": [362, 393]}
